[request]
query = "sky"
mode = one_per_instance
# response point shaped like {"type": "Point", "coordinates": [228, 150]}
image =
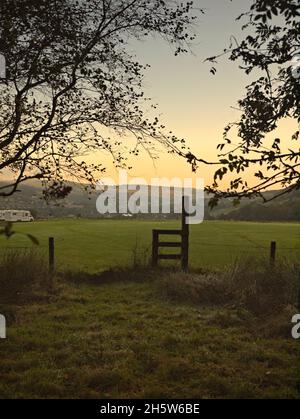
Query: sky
{"type": "Point", "coordinates": [192, 102]}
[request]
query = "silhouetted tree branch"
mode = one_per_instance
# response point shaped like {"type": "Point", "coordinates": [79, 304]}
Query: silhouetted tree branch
{"type": "Point", "coordinates": [73, 89]}
{"type": "Point", "coordinates": [272, 48]}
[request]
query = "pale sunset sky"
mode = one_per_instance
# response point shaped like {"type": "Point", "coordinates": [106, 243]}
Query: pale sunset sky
{"type": "Point", "coordinates": [192, 102]}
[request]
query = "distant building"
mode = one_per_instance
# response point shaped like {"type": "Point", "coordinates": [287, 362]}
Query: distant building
{"type": "Point", "coordinates": [15, 215]}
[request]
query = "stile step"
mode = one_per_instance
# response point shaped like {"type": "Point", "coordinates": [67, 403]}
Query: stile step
{"type": "Point", "coordinates": [169, 244]}
{"type": "Point", "coordinates": [169, 257]}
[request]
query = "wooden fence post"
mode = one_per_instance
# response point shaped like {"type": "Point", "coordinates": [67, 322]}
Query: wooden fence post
{"type": "Point", "coordinates": [51, 256]}
{"type": "Point", "coordinates": [155, 248]}
{"type": "Point", "coordinates": [185, 235]}
{"type": "Point", "coordinates": [273, 253]}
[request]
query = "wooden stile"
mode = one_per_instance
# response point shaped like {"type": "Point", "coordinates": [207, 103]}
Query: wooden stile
{"type": "Point", "coordinates": [183, 244]}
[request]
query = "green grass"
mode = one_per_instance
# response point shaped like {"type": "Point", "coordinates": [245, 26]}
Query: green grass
{"type": "Point", "coordinates": [95, 245]}
{"type": "Point", "coordinates": [125, 340]}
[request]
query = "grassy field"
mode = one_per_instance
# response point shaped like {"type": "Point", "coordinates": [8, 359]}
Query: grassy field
{"type": "Point", "coordinates": [142, 333]}
{"type": "Point", "coordinates": [95, 245]}
{"type": "Point", "coordinates": [126, 340]}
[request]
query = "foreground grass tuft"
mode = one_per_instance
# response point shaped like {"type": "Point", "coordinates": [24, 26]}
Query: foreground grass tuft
{"type": "Point", "coordinates": [23, 275]}
{"type": "Point", "coordinates": [251, 284]}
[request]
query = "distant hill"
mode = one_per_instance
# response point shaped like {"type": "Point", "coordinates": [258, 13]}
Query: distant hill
{"type": "Point", "coordinates": [81, 204]}
{"type": "Point", "coordinates": [78, 204]}
{"type": "Point", "coordinates": [284, 208]}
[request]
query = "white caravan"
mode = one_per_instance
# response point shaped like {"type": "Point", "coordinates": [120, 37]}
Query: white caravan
{"type": "Point", "coordinates": [15, 215]}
